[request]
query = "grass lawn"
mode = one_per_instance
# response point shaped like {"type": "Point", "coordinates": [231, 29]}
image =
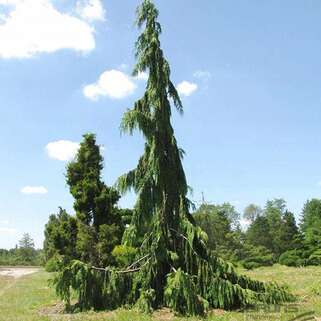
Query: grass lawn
{"type": "Point", "coordinates": [30, 299]}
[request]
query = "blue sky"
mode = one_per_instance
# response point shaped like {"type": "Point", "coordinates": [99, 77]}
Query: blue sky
{"type": "Point", "coordinates": [248, 71]}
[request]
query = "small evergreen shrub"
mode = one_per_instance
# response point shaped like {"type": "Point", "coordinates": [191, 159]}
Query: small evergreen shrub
{"type": "Point", "coordinates": [315, 258]}
{"type": "Point", "coordinates": [291, 258]}
{"type": "Point", "coordinates": [257, 256]}
{"type": "Point", "coordinates": [51, 265]}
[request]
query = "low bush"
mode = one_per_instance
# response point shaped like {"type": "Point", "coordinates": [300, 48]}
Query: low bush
{"type": "Point", "coordinates": [256, 256]}
{"type": "Point", "coordinates": [291, 258]}
{"type": "Point", "coordinates": [52, 264]}
{"type": "Point", "coordinates": [315, 258]}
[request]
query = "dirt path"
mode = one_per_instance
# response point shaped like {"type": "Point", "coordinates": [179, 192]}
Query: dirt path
{"type": "Point", "coordinates": [17, 272]}
{"type": "Point", "coordinates": [14, 273]}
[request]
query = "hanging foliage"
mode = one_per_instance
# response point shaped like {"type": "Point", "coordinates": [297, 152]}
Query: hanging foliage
{"type": "Point", "coordinates": [173, 266]}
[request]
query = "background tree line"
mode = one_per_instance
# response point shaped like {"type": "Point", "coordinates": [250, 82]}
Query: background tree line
{"type": "Point", "coordinates": [272, 236]}
{"type": "Point", "coordinates": [23, 254]}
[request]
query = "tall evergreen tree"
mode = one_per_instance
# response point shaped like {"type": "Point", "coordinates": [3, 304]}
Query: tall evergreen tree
{"type": "Point", "coordinates": [26, 250]}
{"type": "Point", "coordinates": [99, 220]}
{"type": "Point", "coordinates": [311, 225]}
{"type": "Point", "coordinates": [289, 233]}
{"type": "Point", "coordinates": [258, 233]}
{"type": "Point", "coordinates": [178, 269]}
{"type": "Point", "coordinates": [311, 215]}
{"type": "Point", "coordinates": [274, 211]}
{"type": "Point", "coordinates": [173, 267]}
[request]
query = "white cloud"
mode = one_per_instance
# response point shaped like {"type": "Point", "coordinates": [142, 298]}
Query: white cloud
{"type": "Point", "coordinates": [202, 74]}
{"type": "Point", "coordinates": [112, 83]}
{"type": "Point", "coordinates": [4, 222]}
{"type": "Point", "coordinates": [34, 190]}
{"type": "Point", "coordinates": [91, 10]}
{"type": "Point", "coordinates": [6, 230]}
{"type": "Point", "coordinates": [63, 150]}
{"type": "Point", "coordinates": [35, 26]}
{"type": "Point", "coordinates": [186, 88]}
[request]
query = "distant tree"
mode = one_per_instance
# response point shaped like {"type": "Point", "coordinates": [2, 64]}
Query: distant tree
{"type": "Point", "coordinates": [311, 227]}
{"type": "Point", "coordinates": [217, 222]}
{"type": "Point", "coordinates": [274, 211]}
{"type": "Point", "coordinates": [231, 214]}
{"type": "Point", "coordinates": [275, 204]}
{"type": "Point", "coordinates": [288, 233]}
{"type": "Point", "coordinates": [26, 250]}
{"type": "Point", "coordinates": [311, 215]}
{"type": "Point", "coordinates": [251, 212]}
{"type": "Point", "coordinates": [258, 233]}
{"type": "Point", "coordinates": [274, 228]}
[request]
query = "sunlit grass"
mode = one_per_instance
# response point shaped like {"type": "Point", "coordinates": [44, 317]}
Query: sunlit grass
{"type": "Point", "coordinates": [30, 299]}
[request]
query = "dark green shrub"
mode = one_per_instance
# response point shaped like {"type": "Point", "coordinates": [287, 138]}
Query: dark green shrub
{"type": "Point", "coordinates": [315, 258]}
{"type": "Point", "coordinates": [52, 264]}
{"type": "Point", "coordinates": [291, 258]}
{"type": "Point", "coordinates": [256, 256]}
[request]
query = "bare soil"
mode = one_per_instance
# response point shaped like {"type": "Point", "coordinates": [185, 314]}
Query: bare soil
{"type": "Point", "coordinates": [17, 272]}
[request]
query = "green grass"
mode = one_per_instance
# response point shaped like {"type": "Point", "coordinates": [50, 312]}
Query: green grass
{"type": "Point", "coordinates": [30, 299]}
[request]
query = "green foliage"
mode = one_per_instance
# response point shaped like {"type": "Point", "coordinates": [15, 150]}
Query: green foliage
{"type": "Point", "coordinates": [288, 233]}
{"type": "Point", "coordinates": [124, 255]}
{"type": "Point", "coordinates": [78, 277]}
{"type": "Point", "coordinates": [315, 258]}
{"type": "Point", "coordinates": [256, 256]}
{"type": "Point", "coordinates": [26, 250]}
{"type": "Point", "coordinates": [274, 228]}
{"type": "Point", "coordinates": [24, 254]}
{"type": "Point", "coordinates": [181, 294]}
{"type": "Point", "coordinates": [60, 237]}
{"type": "Point", "coordinates": [161, 224]}
{"type": "Point", "coordinates": [146, 301]}
{"type": "Point", "coordinates": [54, 263]}
{"type": "Point", "coordinates": [311, 229]}
{"type": "Point", "coordinates": [218, 221]}
{"type": "Point", "coordinates": [18, 256]}
{"type": "Point", "coordinates": [258, 233]}
{"type": "Point", "coordinates": [74, 244]}
{"type": "Point", "coordinates": [311, 215]}
{"type": "Point", "coordinates": [99, 224]}
{"type": "Point", "coordinates": [291, 258]}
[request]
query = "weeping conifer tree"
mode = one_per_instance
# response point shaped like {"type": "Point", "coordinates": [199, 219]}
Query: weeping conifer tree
{"type": "Point", "coordinates": [173, 267]}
